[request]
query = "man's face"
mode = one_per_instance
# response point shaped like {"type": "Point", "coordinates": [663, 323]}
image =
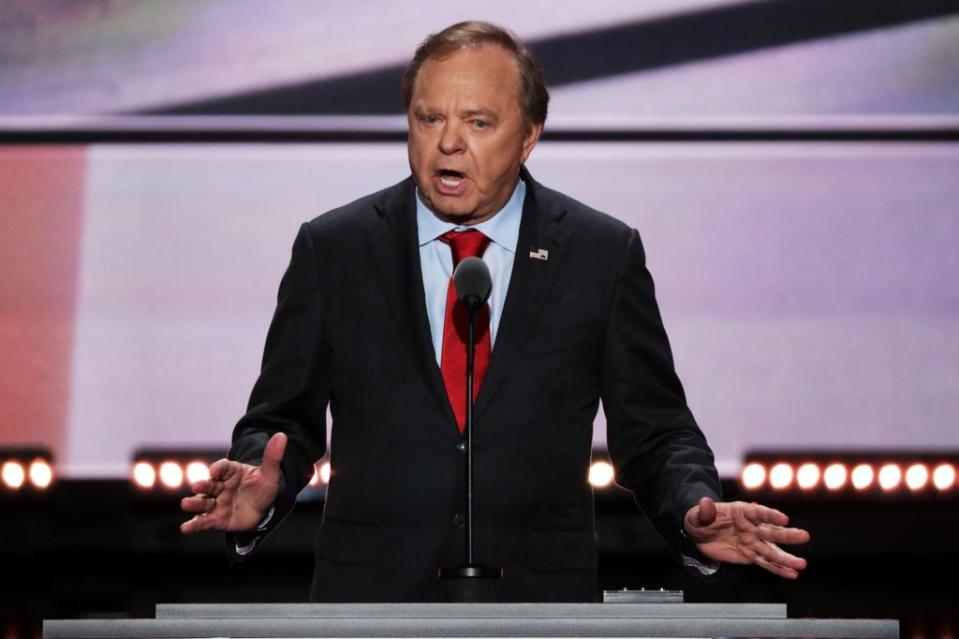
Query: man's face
{"type": "Point", "coordinates": [467, 135]}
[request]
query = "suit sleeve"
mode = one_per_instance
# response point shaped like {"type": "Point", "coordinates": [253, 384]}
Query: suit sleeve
{"type": "Point", "coordinates": [292, 391]}
{"type": "Point", "coordinates": [658, 450]}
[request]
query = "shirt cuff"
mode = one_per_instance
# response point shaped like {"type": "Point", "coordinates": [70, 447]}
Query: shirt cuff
{"type": "Point", "coordinates": [706, 566]}
{"type": "Point", "coordinates": [696, 559]}
{"type": "Point", "coordinates": [246, 549]}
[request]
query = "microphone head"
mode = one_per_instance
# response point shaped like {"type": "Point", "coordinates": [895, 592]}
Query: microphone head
{"type": "Point", "coordinates": [473, 282]}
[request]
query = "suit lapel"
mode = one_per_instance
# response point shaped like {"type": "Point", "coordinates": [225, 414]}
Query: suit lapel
{"type": "Point", "coordinates": [540, 229]}
{"type": "Point", "coordinates": [393, 244]}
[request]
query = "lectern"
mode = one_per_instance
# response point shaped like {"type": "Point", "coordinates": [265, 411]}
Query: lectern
{"type": "Point", "coordinates": [469, 620]}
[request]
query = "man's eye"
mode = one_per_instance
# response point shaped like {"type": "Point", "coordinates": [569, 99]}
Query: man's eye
{"type": "Point", "coordinates": [430, 119]}
{"type": "Point", "coordinates": [480, 124]}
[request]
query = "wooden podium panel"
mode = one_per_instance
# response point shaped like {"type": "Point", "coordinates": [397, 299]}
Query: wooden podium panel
{"type": "Point", "coordinates": [460, 621]}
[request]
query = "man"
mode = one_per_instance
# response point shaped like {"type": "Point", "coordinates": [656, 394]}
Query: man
{"type": "Point", "coordinates": [364, 324]}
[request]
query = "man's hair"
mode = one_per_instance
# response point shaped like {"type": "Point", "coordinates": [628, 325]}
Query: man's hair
{"type": "Point", "coordinates": [533, 95]}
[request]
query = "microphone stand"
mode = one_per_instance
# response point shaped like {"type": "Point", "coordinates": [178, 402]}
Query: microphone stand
{"type": "Point", "coordinates": [471, 582]}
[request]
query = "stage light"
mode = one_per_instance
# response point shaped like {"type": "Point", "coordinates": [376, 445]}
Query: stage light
{"type": "Point", "coordinates": [321, 474]}
{"type": "Point", "coordinates": [41, 474]}
{"type": "Point", "coordinates": [862, 476]}
{"type": "Point", "coordinates": [780, 476]}
{"type": "Point", "coordinates": [917, 476]}
{"type": "Point", "coordinates": [889, 477]}
{"type": "Point", "coordinates": [601, 474]}
{"type": "Point", "coordinates": [753, 476]}
{"type": "Point", "coordinates": [171, 475]}
{"type": "Point", "coordinates": [944, 476]}
{"type": "Point", "coordinates": [13, 474]}
{"type": "Point", "coordinates": [197, 471]}
{"type": "Point", "coordinates": [144, 475]}
{"type": "Point", "coordinates": [807, 476]}
{"type": "Point", "coordinates": [834, 476]}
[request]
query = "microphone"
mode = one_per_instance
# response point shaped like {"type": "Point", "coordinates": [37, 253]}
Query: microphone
{"type": "Point", "coordinates": [471, 582]}
{"type": "Point", "coordinates": [473, 282]}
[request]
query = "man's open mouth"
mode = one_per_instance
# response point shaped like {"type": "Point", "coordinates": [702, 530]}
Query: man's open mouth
{"type": "Point", "coordinates": [450, 177]}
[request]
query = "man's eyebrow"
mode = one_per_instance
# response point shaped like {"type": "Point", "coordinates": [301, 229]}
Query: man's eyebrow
{"type": "Point", "coordinates": [471, 112]}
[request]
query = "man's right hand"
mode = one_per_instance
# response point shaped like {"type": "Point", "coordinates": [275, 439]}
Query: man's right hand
{"type": "Point", "coordinates": [236, 496]}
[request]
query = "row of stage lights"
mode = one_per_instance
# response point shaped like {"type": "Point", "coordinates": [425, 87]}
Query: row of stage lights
{"type": "Point", "coordinates": [781, 476]}
{"type": "Point", "coordinates": [173, 475]}
{"type": "Point", "coordinates": [797, 473]}
{"type": "Point", "coordinates": [25, 469]}
{"type": "Point", "coordinates": [924, 475]}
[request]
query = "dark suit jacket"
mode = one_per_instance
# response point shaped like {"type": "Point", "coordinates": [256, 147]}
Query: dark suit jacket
{"type": "Point", "coordinates": [350, 331]}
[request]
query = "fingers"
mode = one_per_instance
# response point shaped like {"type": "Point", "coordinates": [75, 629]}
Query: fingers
{"type": "Point", "coordinates": [203, 521]}
{"type": "Point", "coordinates": [780, 535]}
{"type": "Point", "coordinates": [223, 469]}
{"type": "Point", "coordinates": [758, 513]}
{"type": "Point", "coordinates": [741, 519]}
{"type": "Point", "coordinates": [777, 561]}
{"type": "Point", "coordinates": [198, 504]}
{"type": "Point", "coordinates": [210, 513]}
{"type": "Point", "coordinates": [783, 571]}
{"type": "Point", "coordinates": [707, 512]}
{"type": "Point", "coordinates": [272, 456]}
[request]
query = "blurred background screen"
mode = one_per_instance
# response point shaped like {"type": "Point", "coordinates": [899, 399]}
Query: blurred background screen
{"type": "Point", "coordinates": [788, 165]}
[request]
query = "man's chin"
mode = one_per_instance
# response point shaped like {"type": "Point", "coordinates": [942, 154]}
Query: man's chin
{"type": "Point", "coordinates": [451, 209]}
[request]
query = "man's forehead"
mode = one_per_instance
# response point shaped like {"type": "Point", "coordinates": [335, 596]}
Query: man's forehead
{"type": "Point", "coordinates": [486, 67]}
{"type": "Point", "coordinates": [483, 57]}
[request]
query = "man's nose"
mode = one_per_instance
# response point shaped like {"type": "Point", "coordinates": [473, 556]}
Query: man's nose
{"type": "Point", "coordinates": [451, 139]}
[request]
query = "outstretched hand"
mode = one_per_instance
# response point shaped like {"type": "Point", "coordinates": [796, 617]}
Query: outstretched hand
{"type": "Point", "coordinates": [745, 533]}
{"type": "Point", "coordinates": [236, 496]}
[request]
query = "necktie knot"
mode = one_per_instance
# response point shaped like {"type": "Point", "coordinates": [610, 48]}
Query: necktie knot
{"type": "Point", "coordinates": [465, 244]}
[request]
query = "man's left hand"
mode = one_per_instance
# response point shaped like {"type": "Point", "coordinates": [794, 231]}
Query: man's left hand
{"type": "Point", "coordinates": [745, 533]}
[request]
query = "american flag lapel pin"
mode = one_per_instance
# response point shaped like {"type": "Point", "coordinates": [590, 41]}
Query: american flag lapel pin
{"type": "Point", "coordinates": [539, 254]}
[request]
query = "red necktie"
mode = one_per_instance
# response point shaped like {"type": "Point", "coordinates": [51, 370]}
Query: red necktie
{"type": "Point", "coordinates": [456, 327]}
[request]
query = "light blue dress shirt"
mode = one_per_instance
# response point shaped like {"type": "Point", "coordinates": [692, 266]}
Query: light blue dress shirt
{"type": "Point", "coordinates": [436, 260]}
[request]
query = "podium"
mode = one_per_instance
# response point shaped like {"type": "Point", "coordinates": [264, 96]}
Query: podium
{"type": "Point", "coordinates": [183, 621]}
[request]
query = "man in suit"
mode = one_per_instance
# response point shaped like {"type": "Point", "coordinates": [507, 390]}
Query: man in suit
{"type": "Point", "coordinates": [365, 325]}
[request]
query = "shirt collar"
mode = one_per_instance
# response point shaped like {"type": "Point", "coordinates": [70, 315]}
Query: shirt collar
{"type": "Point", "coordinates": [502, 228]}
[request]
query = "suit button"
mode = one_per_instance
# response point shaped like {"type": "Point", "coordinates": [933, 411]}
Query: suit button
{"type": "Point", "coordinates": [461, 446]}
{"type": "Point", "coordinates": [459, 519]}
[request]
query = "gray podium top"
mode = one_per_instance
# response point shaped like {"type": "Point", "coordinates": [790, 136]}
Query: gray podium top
{"type": "Point", "coordinates": [472, 611]}
{"type": "Point", "coordinates": [468, 620]}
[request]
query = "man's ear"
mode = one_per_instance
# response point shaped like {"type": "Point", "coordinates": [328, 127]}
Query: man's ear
{"type": "Point", "coordinates": [531, 138]}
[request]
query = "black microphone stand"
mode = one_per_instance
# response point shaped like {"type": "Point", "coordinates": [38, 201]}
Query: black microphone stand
{"type": "Point", "coordinates": [471, 582]}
